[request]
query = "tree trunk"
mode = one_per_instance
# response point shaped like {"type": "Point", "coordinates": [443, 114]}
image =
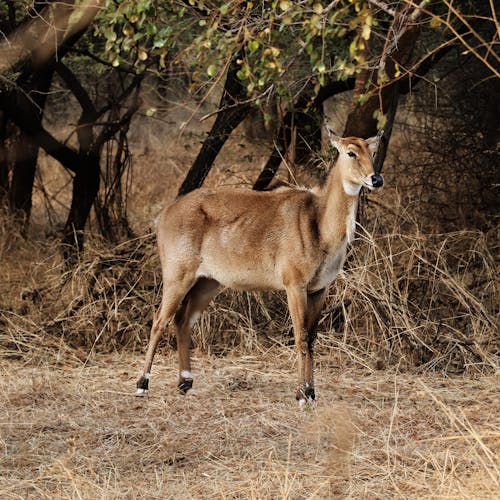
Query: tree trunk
{"type": "Point", "coordinates": [283, 138]}
{"type": "Point", "coordinates": [297, 141]}
{"type": "Point", "coordinates": [361, 121]}
{"type": "Point", "coordinates": [231, 113]}
{"type": "Point", "coordinates": [26, 148]}
{"type": "Point", "coordinates": [308, 126]}
{"type": "Point", "coordinates": [23, 177]}
{"type": "Point", "coordinates": [85, 189]}
{"type": "Point", "coordinates": [4, 160]}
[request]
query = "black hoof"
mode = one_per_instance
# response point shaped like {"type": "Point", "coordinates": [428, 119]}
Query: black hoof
{"type": "Point", "coordinates": [142, 386]}
{"type": "Point", "coordinates": [305, 395]}
{"type": "Point", "coordinates": [310, 394]}
{"type": "Point", "coordinates": [185, 385]}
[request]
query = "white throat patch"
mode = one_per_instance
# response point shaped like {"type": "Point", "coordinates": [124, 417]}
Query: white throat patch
{"type": "Point", "coordinates": [351, 189]}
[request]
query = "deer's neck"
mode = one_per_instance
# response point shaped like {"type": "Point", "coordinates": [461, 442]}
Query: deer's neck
{"type": "Point", "coordinates": [339, 206]}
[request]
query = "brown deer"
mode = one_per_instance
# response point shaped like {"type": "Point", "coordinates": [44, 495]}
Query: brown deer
{"type": "Point", "coordinates": [291, 239]}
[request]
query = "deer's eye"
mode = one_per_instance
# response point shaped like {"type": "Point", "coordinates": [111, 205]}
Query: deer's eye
{"type": "Point", "coordinates": [351, 154]}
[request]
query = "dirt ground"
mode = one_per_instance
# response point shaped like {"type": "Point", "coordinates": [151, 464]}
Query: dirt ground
{"type": "Point", "coordinates": [75, 430]}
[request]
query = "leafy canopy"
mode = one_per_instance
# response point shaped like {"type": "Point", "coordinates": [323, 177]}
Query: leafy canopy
{"type": "Point", "coordinates": [280, 45]}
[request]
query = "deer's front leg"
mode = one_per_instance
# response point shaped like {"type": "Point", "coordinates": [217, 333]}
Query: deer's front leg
{"type": "Point", "coordinates": [315, 302]}
{"type": "Point", "coordinates": [297, 303]}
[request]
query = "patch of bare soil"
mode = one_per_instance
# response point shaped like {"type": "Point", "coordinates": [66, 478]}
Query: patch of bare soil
{"type": "Point", "coordinates": [77, 431]}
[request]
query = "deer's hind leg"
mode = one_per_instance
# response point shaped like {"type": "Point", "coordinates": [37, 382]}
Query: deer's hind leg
{"type": "Point", "coordinates": [193, 304]}
{"type": "Point", "coordinates": [173, 294]}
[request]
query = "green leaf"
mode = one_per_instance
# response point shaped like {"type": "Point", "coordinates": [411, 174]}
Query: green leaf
{"type": "Point", "coordinates": [211, 70]}
{"type": "Point", "coordinates": [151, 29]}
{"type": "Point", "coordinates": [253, 45]}
{"type": "Point", "coordinates": [381, 119]}
{"type": "Point", "coordinates": [242, 74]}
{"type": "Point", "coordinates": [352, 47]}
{"type": "Point", "coordinates": [321, 68]}
{"type": "Point", "coordinates": [110, 35]}
{"type": "Point", "coordinates": [318, 8]}
{"type": "Point", "coordinates": [366, 31]}
{"type": "Point", "coordinates": [159, 43]}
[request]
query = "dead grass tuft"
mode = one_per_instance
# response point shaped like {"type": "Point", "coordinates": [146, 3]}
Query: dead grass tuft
{"type": "Point", "coordinates": [405, 300]}
{"type": "Point", "coordinates": [429, 301]}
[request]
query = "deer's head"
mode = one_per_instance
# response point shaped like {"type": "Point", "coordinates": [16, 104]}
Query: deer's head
{"type": "Point", "coordinates": [356, 161]}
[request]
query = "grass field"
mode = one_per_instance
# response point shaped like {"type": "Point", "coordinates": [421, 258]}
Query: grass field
{"type": "Point", "coordinates": [74, 430]}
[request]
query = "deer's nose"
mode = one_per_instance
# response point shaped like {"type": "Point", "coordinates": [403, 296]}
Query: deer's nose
{"type": "Point", "coordinates": [377, 180]}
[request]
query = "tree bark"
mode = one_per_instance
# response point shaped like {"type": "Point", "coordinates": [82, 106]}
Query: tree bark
{"type": "Point", "coordinates": [361, 121]}
{"type": "Point", "coordinates": [308, 126]}
{"type": "Point", "coordinates": [4, 160]}
{"type": "Point", "coordinates": [23, 178]}
{"type": "Point", "coordinates": [26, 148]}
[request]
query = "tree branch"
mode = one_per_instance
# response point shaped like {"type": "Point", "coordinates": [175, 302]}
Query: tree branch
{"type": "Point", "coordinates": [383, 6]}
{"type": "Point", "coordinates": [109, 131]}
{"type": "Point", "coordinates": [76, 88]}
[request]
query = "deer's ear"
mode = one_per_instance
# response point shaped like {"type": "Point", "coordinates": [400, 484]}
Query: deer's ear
{"type": "Point", "coordinates": [335, 140]}
{"type": "Point", "coordinates": [374, 141]}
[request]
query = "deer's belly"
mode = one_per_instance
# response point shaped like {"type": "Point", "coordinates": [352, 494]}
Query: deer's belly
{"type": "Point", "coordinates": [247, 275]}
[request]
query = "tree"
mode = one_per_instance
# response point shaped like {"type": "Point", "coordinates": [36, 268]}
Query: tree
{"type": "Point", "coordinates": [23, 104]}
{"type": "Point", "coordinates": [34, 77]}
{"type": "Point", "coordinates": [233, 108]}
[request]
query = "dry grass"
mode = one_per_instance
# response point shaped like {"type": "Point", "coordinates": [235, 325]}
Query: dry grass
{"type": "Point", "coordinates": [78, 432]}
{"type": "Point", "coordinates": [424, 301]}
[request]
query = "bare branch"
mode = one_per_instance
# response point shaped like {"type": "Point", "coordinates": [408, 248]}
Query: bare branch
{"type": "Point", "coordinates": [383, 6]}
{"type": "Point", "coordinates": [462, 37]}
